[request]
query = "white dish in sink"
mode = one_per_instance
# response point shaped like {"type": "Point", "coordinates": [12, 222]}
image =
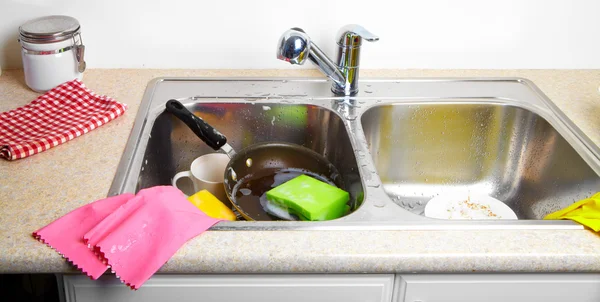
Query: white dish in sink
{"type": "Point", "coordinates": [467, 206]}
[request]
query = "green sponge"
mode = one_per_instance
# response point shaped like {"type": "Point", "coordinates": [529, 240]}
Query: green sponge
{"type": "Point", "coordinates": [310, 199]}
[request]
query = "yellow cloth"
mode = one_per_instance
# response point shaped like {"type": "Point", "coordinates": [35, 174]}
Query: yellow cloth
{"type": "Point", "coordinates": [586, 212]}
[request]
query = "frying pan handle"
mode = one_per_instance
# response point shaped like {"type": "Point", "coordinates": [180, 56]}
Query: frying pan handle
{"type": "Point", "coordinates": [209, 135]}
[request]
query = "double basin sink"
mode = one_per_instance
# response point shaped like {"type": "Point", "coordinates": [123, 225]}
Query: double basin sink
{"type": "Point", "coordinates": [396, 144]}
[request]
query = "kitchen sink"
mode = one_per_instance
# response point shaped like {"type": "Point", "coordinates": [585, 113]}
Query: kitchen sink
{"type": "Point", "coordinates": [397, 144]}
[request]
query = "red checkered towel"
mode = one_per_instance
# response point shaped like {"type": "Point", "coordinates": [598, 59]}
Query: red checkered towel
{"type": "Point", "coordinates": [60, 115]}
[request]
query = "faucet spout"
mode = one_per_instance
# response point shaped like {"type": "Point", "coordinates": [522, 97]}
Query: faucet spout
{"type": "Point", "coordinates": [295, 46]}
{"type": "Point", "coordinates": [318, 57]}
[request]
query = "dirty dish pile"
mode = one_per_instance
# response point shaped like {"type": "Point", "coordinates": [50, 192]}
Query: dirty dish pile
{"type": "Point", "coordinates": [259, 168]}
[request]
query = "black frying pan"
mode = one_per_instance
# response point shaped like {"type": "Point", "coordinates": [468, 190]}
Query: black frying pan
{"type": "Point", "coordinates": [259, 167]}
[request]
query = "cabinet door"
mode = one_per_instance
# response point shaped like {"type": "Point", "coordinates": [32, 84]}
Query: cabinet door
{"type": "Point", "coordinates": [247, 288]}
{"type": "Point", "coordinates": [498, 288]}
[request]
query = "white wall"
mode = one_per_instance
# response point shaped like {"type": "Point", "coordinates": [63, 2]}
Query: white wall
{"type": "Point", "coordinates": [243, 33]}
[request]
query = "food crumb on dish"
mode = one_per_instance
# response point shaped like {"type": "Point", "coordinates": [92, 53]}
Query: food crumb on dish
{"type": "Point", "coordinates": [467, 206]}
{"type": "Point", "coordinates": [466, 209]}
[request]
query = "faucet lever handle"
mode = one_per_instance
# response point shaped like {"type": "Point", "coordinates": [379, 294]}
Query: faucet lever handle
{"type": "Point", "coordinates": [352, 34]}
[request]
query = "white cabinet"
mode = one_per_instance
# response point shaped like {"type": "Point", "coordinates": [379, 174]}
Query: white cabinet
{"type": "Point", "coordinates": [498, 288]}
{"type": "Point", "coordinates": [342, 287]}
{"type": "Point", "coordinates": [247, 288]}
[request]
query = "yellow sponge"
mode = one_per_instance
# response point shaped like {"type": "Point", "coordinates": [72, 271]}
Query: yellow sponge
{"type": "Point", "coordinates": [211, 205]}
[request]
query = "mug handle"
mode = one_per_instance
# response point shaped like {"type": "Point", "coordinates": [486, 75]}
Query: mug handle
{"type": "Point", "coordinates": [180, 175]}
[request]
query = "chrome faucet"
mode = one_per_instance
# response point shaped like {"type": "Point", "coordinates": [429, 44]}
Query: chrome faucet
{"type": "Point", "coordinates": [295, 46]}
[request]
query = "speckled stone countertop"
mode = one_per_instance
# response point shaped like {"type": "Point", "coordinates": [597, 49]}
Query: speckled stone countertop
{"type": "Point", "coordinates": [39, 189]}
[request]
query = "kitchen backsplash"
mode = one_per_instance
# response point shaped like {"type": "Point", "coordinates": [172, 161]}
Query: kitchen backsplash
{"type": "Point", "coordinates": [243, 34]}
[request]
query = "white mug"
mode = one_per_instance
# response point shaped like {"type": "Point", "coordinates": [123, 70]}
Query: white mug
{"type": "Point", "coordinates": [207, 173]}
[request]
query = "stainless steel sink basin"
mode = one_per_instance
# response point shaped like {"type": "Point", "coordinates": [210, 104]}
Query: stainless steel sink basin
{"type": "Point", "coordinates": [507, 152]}
{"type": "Point", "coordinates": [172, 146]}
{"type": "Point", "coordinates": [397, 143]}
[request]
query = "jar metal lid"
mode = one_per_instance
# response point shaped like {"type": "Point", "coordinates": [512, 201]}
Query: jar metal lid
{"type": "Point", "coordinates": [49, 29]}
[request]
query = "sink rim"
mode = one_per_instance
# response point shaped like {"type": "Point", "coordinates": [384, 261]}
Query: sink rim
{"type": "Point", "coordinates": [398, 218]}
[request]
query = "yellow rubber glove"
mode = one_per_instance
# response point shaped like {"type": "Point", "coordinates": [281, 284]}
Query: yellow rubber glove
{"type": "Point", "coordinates": [586, 212]}
{"type": "Point", "coordinates": [211, 206]}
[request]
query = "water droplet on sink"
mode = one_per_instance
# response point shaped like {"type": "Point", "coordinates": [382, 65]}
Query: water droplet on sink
{"type": "Point", "coordinates": [366, 172]}
{"type": "Point", "coordinates": [367, 91]}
